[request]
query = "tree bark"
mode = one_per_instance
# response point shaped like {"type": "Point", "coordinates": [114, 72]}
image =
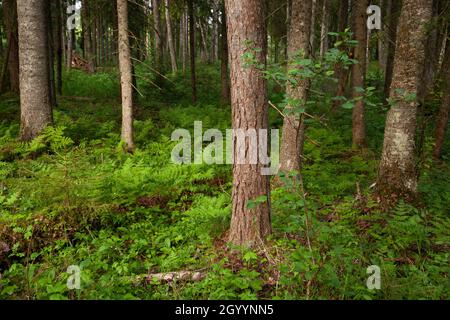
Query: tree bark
{"type": "Point", "coordinates": [397, 175]}
{"type": "Point", "coordinates": [358, 73]}
{"type": "Point", "coordinates": [293, 126]}
{"type": "Point", "coordinates": [36, 110]}
{"type": "Point", "coordinates": [192, 50]}
{"type": "Point", "coordinates": [392, 34]}
{"type": "Point", "coordinates": [224, 76]}
{"type": "Point", "coordinates": [325, 25]}
{"type": "Point", "coordinates": [173, 57]}
{"type": "Point", "coordinates": [158, 41]}
{"type": "Point", "coordinates": [125, 75]}
{"type": "Point", "coordinates": [444, 110]}
{"type": "Point", "coordinates": [59, 46]}
{"type": "Point", "coordinates": [10, 20]}
{"type": "Point", "coordinates": [249, 227]}
{"type": "Point", "coordinates": [87, 36]}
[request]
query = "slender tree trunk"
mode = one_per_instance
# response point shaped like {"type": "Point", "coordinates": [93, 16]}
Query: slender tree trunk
{"type": "Point", "coordinates": [158, 40]}
{"type": "Point", "coordinates": [325, 25]}
{"type": "Point", "coordinates": [314, 15]}
{"type": "Point", "coordinates": [51, 54]}
{"type": "Point", "coordinates": [36, 110]}
{"type": "Point", "coordinates": [392, 31]}
{"type": "Point", "coordinates": [224, 76]}
{"type": "Point", "coordinates": [397, 175]}
{"type": "Point", "coordinates": [341, 72]}
{"type": "Point", "coordinates": [10, 19]}
{"type": "Point", "coordinates": [87, 35]}
{"type": "Point", "coordinates": [192, 50]}
{"type": "Point", "coordinates": [358, 73]}
{"type": "Point", "coordinates": [173, 57]}
{"type": "Point", "coordinates": [383, 37]}
{"type": "Point", "coordinates": [293, 126]}
{"type": "Point", "coordinates": [125, 75]}
{"type": "Point", "coordinates": [59, 47]}
{"type": "Point", "coordinates": [250, 111]}
{"type": "Point", "coordinates": [444, 110]}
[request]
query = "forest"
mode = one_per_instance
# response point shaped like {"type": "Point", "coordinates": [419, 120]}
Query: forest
{"type": "Point", "coordinates": [224, 150]}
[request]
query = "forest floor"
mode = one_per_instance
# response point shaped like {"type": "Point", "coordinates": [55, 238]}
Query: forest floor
{"type": "Point", "coordinates": [73, 197]}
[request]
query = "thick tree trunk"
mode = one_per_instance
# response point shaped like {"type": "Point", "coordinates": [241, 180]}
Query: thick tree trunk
{"type": "Point", "coordinates": [125, 75]}
{"type": "Point", "coordinates": [394, 16]}
{"type": "Point", "coordinates": [224, 76]}
{"type": "Point", "coordinates": [358, 73]}
{"type": "Point", "coordinates": [36, 110]}
{"type": "Point", "coordinates": [397, 176]}
{"type": "Point", "coordinates": [444, 110]}
{"type": "Point", "coordinates": [192, 50]}
{"type": "Point", "coordinates": [293, 126]}
{"type": "Point", "coordinates": [249, 101]}
{"type": "Point", "coordinates": [10, 20]}
{"type": "Point", "coordinates": [173, 57]}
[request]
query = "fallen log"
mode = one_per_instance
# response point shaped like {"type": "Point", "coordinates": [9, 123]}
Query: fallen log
{"type": "Point", "coordinates": [169, 277]}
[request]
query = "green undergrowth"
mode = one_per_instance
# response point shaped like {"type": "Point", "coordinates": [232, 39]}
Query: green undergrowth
{"type": "Point", "coordinates": [73, 197]}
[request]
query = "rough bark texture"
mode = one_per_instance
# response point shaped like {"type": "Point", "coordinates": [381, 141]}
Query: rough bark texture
{"type": "Point", "coordinates": [444, 110]}
{"type": "Point", "coordinates": [358, 72]}
{"type": "Point", "coordinates": [225, 81]}
{"type": "Point", "coordinates": [397, 176]}
{"type": "Point", "coordinates": [125, 75]}
{"type": "Point", "coordinates": [10, 20]}
{"type": "Point", "coordinates": [173, 57]}
{"type": "Point", "coordinates": [249, 110]}
{"type": "Point", "coordinates": [293, 126]}
{"type": "Point", "coordinates": [36, 111]}
{"type": "Point", "coordinates": [394, 16]}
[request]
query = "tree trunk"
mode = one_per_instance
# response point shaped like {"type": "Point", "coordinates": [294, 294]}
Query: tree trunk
{"type": "Point", "coordinates": [249, 101]}
{"type": "Point", "coordinates": [224, 76]}
{"type": "Point", "coordinates": [444, 110]}
{"type": "Point", "coordinates": [36, 110]}
{"type": "Point", "coordinates": [59, 46]}
{"type": "Point", "coordinates": [392, 31]}
{"type": "Point", "coordinates": [87, 34]}
{"type": "Point", "coordinates": [397, 175]}
{"type": "Point", "coordinates": [383, 37]}
{"type": "Point", "coordinates": [125, 75]}
{"type": "Point", "coordinates": [293, 126]}
{"type": "Point", "coordinates": [158, 41]}
{"type": "Point", "coordinates": [358, 73]}
{"type": "Point", "coordinates": [341, 72]}
{"type": "Point", "coordinates": [325, 25]}
{"type": "Point", "coordinates": [10, 20]}
{"type": "Point", "coordinates": [173, 57]}
{"type": "Point", "coordinates": [192, 50]}
{"type": "Point", "coordinates": [314, 14]}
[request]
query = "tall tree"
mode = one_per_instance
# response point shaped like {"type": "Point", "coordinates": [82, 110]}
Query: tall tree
{"type": "Point", "coordinates": [192, 50]}
{"type": "Point", "coordinates": [324, 28]}
{"type": "Point", "coordinates": [156, 7]}
{"type": "Point", "coordinates": [87, 35]}
{"type": "Point", "coordinates": [394, 17]}
{"type": "Point", "coordinates": [225, 79]}
{"type": "Point", "coordinates": [397, 175]}
{"type": "Point", "coordinates": [293, 126]}
{"type": "Point", "coordinates": [126, 78]}
{"type": "Point", "coordinates": [173, 56]}
{"type": "Point", "coordinates": [358, 72]}
{"type": "Point", "coordinates": [10, 20]}
{"type": "Point", "coordinates": [35, 105]}
{"type": "Point", "coordinates": [249, 111]}
{"type": "Point", "coordinates": [444, 110]}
